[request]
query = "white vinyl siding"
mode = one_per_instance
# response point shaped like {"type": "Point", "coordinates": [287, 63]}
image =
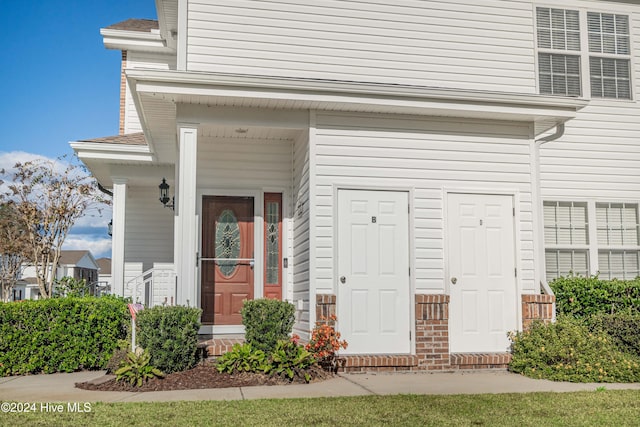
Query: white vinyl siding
{"type": "Point", "coordinates": [300, 214]}
{"type": "Point", "coordinates": [235, 163]}
{"type": "Point", "coordinates": [459, 44]}
{"type": "Point", "coordinates": [426, 155]}
{"type": "Point", "coordinates": [142, 60]}
{"type": "Point", "coordinates": [148, 228]}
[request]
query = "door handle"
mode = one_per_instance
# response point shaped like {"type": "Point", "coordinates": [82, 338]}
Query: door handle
{"type": "Point", "coordinates": [343, 279]}
{"type": "Point", "coordinates": [454, 280]}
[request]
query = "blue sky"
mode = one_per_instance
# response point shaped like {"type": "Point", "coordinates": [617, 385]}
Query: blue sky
{"type": "Point", "coordinates": [58, 84]}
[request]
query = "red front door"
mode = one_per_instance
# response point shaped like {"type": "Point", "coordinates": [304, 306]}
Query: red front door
{"type": "Point", "coordinates": [227, 258]}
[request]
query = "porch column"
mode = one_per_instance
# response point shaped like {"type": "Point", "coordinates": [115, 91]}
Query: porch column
{"type": "Point", "coordinates": [117, 237]}
{"type": "Point", "coordinates": [186, 237]}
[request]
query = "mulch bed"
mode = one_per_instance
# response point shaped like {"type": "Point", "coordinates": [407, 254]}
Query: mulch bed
{"type": "Point", "coordinates": [200, 377]}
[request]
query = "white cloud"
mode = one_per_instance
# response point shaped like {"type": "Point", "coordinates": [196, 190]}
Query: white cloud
{"type": "Point", "coordinates": [99, 247]}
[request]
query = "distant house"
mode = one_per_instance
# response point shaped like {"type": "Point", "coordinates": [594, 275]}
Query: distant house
{"type": "Point", "coordinates": [421, 169]}
{"type": "Point", "coordinates": [77, 264]}
{"type": "Point", "coordinates": [104, 275]}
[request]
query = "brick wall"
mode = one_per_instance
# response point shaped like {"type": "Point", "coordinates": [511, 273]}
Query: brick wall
{"type": "Point", "coordinates": [123, 91]}
{"type": "Point", "coordinates": [537, 307]}
{"type": "Point", "coordinates": [432, 331]}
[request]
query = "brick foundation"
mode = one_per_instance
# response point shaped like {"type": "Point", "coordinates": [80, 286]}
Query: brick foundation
{"type": "Point", "coordinates": [480, 360]}
{"type": "Point", "coordinates": [218, 346]}
{"type": "Point", "coordinates": [431, 340]}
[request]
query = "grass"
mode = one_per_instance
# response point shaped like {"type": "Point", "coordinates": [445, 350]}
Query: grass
{"type": "Point", "coordinates": [597, 408]}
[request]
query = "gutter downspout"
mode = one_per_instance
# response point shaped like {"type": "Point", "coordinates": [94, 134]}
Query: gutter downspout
{"type": "Point", "coordinates": [538, 241]}
{"type": "Point", "coordinates": [104, 190]}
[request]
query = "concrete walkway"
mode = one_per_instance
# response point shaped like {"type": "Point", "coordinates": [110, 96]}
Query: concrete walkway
{"type": "Point", "coordinates": [60, 387]}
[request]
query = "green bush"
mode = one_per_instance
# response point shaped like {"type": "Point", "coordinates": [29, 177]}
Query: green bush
{"type": "Point", "coordinates": [136, 368]}
{"type": "Point", "coordinates": [170, 335]}
{"type": "Point", "coordinates": [623, 328]}
{"type": "Point", "coordinates": [291, 360]}
{"type": "Point", "coordinates": [568, 351]}
{"type": "Point", "coordinates": [242, 358]}
{"type": "Point", "coordinates": [266, 322]}
{"type": "Point", "coordinates": [583, 296]}
{"type": "Point", "coordinates": [60, 334]}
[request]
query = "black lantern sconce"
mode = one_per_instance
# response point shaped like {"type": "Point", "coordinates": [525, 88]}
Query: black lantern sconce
{"type": "Point", "coordinates": [110, 228]}
{"type": "Point", "coordinates": [164, 194]}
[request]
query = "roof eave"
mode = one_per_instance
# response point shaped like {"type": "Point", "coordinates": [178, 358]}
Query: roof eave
{"type": "Point", "coordinates": [134, 40]}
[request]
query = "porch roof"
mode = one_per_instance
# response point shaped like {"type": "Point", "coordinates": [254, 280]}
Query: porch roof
{"type": "Point", "coordinates": [112, 156]}
{"type": "Point", "coordinates": [158, 92]}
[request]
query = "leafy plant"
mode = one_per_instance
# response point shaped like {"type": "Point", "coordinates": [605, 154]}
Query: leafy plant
{"type": "Point", "coordinates": [290, 360]}
{"type": "Point", "coordinates": [584, 296]}
{"type": "Point", "coordinates": [242, 358]}
{"type": "Point", "coordinates": [171, 336]}
{"type": "Point", "coordinates": [568, 351]}
{"type": "Point", "coordinates": [324, 343]}
{"type": "Point", "coordinates": [266, 322]}
{"type": "Point", "coordinates": [60, 334]}
{"type": "Point", "coordinates": [623, 328]}
{"type": "Point", "coordinates": [70, 287]}
{"type": "Point", "coordinates": [136, 368]}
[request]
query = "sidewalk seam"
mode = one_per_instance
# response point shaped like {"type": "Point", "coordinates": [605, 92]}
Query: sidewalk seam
{"type": "Point", "coordinates": [241, 393]}
{"type": "Point", "coordinates": [359, 385]}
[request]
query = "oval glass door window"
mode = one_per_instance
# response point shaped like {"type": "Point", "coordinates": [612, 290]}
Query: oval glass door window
{"type": "Point", "coordinates": [227, 242]}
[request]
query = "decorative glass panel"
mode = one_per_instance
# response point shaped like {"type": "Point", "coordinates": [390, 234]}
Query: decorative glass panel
{"type": "Point", "coordinates": [273, 243]}
{"type": "Point", "coordinates": [227, 242]}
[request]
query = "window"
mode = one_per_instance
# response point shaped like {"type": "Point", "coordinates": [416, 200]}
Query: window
{"type": "Point", "coordinates": [610, 76]}
{"type": "Point", "coordinates": [566, 237]}
{"type": "Point", "coordinates": [618, 241]}
{"type": "Point", "coordinates": [610, 246]}
{"type": "Point", "coordinates": [562, 56]}
{"type": "Point", "coordinates": [558, 31]}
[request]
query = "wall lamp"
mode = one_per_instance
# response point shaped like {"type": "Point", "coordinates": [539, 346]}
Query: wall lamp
{"type": "Point", "coordinates": [164, 194]}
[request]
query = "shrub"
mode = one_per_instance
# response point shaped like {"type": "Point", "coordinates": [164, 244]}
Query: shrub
{"type": "Point", "coordinates": [242, 358]}
{"type": "Point", "coordinates": [136, 368]}
{"type": "Point", "coordinates": [60, 334]}
{"type": "Point", "coordinates": [170, 335]}
{"type": "Point", "coordinates": [291, 360]}
{"type": "Point", "coordinates": [119, 356]}
{"type": "Point", "coordinates": [623, 328]}
{"type": "Point", "coordinates": [266, 322]}
{"type": "Point", "coordinates": [324, 343]}
{"type": "Point", "coordinates": [583, 296]}
{"type": "Point", "coordinates": [568, 351]}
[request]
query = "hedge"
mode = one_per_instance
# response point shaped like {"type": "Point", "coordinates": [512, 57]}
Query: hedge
{"type": "Point", "coordinates": [170, 335]}
{"type": "Point", "coordinates": [60, 334]}
{"type": "Point", "coordinates": [266, 322]}
{"type": "Point", "coordinates": [584, 296]}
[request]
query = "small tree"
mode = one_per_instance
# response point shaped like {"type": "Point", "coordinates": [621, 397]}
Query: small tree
{"type": "Point", "coordinates": [13, 248]}
{"type": "Point", "coordinates": [49, 198]}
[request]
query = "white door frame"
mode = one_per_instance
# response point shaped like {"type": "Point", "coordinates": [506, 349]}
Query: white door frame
{"type": "Point", "coordinates": [515, 194]}
{"type": "Point", "coordinates": [411, 237]}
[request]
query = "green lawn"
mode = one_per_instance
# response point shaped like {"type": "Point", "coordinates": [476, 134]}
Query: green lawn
{"type": "Point", "coordinates": [599, 408]}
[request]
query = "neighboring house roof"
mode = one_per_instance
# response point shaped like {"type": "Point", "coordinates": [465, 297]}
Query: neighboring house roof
{"type": "Point", "coordinates": [71, 257]}
{"type": "Point", "coordinates": [133, 24]}
{"type": "Point", "coordinates": [105, 265]}
{"type": "Point", "coordinates": [128, 139]}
